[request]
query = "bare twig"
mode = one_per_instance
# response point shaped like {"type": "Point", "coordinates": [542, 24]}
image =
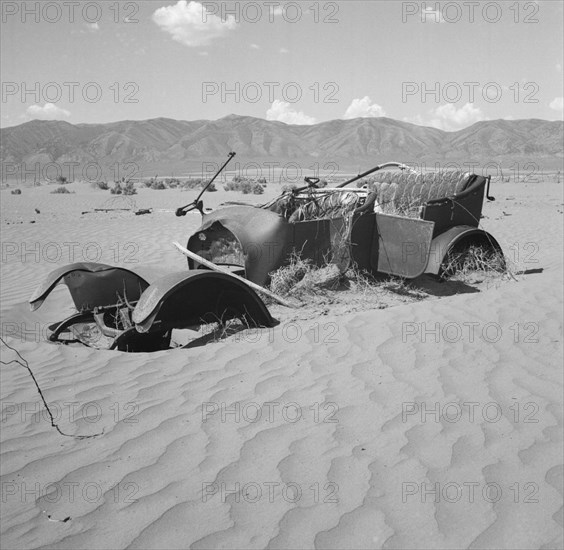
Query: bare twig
{"type": "Point", "coordinates": [23, 363]}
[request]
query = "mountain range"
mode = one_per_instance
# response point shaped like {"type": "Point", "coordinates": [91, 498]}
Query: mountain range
{"type": "Point", "coordinates": [175, 147]}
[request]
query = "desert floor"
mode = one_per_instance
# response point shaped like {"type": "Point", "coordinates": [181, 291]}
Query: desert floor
{"type": "Point", "coordinates": [431, 423]}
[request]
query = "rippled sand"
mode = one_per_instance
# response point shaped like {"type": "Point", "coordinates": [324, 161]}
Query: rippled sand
{"type": "Point", "coordinates": [435, 424]}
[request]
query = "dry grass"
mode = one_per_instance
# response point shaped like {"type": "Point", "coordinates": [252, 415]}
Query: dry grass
{"type": "Point", "coordinates": [364, 285]}
{"type": "Point", "coordinates": [285, 278]}
{"type": "Point", "coordinates": [476, 260]}
{"type": "Point", "coordinates": [360, 281]}
{"type": "Point", "coordinates": [376, 286]}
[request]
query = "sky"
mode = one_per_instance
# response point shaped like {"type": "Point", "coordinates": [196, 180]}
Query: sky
{"type": "Point", "coordinates": [441, 64]}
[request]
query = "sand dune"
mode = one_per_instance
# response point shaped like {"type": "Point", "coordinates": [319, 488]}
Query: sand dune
{"type": "Point", "coordinates": [432, 424]}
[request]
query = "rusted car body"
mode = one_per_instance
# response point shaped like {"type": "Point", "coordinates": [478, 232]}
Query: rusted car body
{"type": "Point", "coordinates": [342, 225]}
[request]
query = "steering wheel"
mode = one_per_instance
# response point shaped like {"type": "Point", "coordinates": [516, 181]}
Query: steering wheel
{"type": "Point", "coordinates": [311, 182]}
{"type": "Point", "coordinates": [183, 210]}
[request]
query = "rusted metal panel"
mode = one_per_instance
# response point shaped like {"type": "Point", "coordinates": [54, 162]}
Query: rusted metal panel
{"type": "Point", "coordinates": [400, 246]}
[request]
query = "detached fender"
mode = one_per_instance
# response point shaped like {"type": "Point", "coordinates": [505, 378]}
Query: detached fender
{"type": "Point", "coordinates": [91, 285]}
{"type": "Point", "coordinates": [461, 235]}
{"type": "Point", "coordinates": [185, 299]}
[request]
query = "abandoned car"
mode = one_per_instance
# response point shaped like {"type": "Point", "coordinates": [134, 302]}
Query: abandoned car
{"type": "Point", "coordinates": [400, 223]}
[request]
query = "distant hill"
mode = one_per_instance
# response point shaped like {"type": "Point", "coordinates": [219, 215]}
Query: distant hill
{"type": "Point", "coordinates": [167, 146]}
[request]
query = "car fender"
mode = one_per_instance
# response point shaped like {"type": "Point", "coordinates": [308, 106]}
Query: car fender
{"type": "Point", "coordinates": [91, 285]}
{"type": "Point", "coordinates": [458, 235]}
{"type": "Point", "coordinates": [189, 298]}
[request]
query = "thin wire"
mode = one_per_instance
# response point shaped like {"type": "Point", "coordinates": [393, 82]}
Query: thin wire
{"type": "Point", "coordinates": [23, 363]}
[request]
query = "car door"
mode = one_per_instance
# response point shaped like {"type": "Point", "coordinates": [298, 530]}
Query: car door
{"type": "Point", "coordinates": [400, 245]}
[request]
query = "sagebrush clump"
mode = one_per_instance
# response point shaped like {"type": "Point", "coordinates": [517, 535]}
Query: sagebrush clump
{"type": "Point", "coordinates": [246, 186]}
{"type": "Point", "coordinates": [60, 191]}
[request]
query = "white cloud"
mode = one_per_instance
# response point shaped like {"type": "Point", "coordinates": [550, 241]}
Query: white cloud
{"type": "Point", "coordinates": [255, 47]}
{"type": "Point", "coordinates": [558, 68]}
{"type": "Point", "coordinates": [284, 50]}
{"type": "Point", "coordinates": [363, 108]}
{"type": "Point", "coordinates": [190, 24]}
{"type": "Point", "coordinates": [48, 112]}
{"type": "Point", "coordinates": [278, 10]}
{"type": "Point", "coordinates": [93, 26]}
{"type": "Point", "coordinates": [282, 111]}
{"type": "Point", "coordinates": [448, 117]}
{"type": "Point", "coordinates": [557, 104]}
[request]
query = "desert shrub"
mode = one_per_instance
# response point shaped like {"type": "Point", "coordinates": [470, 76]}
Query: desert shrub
{"type": "Point", "coordinates": [60, 191]}
{"type": "Point", "coordinates": [172, 183]}
{"type": "Point", "coordinates": [101, 185]}
{"type": "Point", "coordinates": [258, 189]}
{"type": "Point", "coordinates": [211, 188]}
{"type": "Point", "coordinates": [158, 185]}
{"type": "Point", "coordinates": [129, 188]}
{"type": "Point", "coordinates": [262, 180]}
{"type": "Point", "coordinates": [240, 184]}
{"type": "Point", "coordinates": [151, 182]}
{"type": "Point", "coordinates": [16, 191]}
{"type": "Point", "coordinates": [192, 183]}
{"type": "Point", "coordinates": [116, 190]}
{"type": "Point", "coordinates": [61, 180]}
{"type": "Point", "coordinates": [246, 187]}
